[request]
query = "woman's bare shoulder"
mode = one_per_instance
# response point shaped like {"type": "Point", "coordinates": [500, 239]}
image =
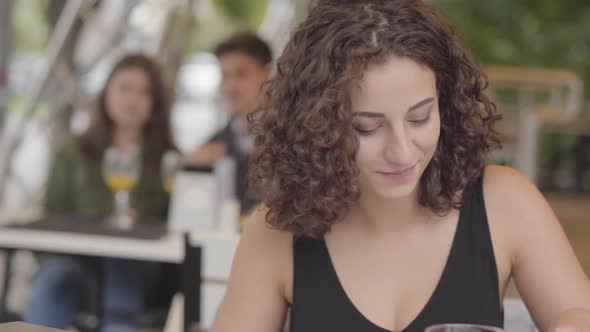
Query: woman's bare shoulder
{"type": "Point", "coordinates": [274, 246]}
{"type": "Point", "coordinates": [258, 294]}
{"type": "Point", "coordinates": [258, 229]}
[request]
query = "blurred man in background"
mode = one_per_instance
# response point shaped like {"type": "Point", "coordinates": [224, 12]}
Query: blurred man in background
{"type": "Point", "coordinates": [245, 62]}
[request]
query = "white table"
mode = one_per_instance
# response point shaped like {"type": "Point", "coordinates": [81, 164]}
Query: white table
{"type": "Point", "coordinates": [168, 249]}
{"type": "Point", "coordinates": [171, 248]}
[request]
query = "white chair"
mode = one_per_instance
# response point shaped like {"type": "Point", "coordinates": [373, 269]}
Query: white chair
{"type": "Point", "coordinates": [517, 317]}
{"type": "Point", "coordinates": [218, 249]}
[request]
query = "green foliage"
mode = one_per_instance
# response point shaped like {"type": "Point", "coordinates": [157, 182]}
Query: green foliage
{"type": "Point", "coordinates": [223, 19]}
{"type": "Point", "coordinates": [249, 13]}
{"type": "Point", "coordinates": [30, 25]}
{"type": "Point", "coordinates": [538, 33]}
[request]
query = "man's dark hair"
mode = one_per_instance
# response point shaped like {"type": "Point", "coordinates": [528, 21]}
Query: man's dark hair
{"type": "Point", "coordinates": [247, 43]}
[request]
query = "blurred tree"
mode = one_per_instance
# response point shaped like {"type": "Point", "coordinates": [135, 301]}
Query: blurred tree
{"type": "Point", "coordinates": [222, 19]}
{"type": "Point", "coordinates": [538, 33]}
{"type": "Point", "coordinates": [30, 25]}
{"type": "Point", "coordinates": [249, 13]}
{"type": "Point", "coordinates": [5, 51]}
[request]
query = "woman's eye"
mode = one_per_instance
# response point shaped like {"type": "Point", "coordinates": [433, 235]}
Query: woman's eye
{"type": "Point", "coordinates": [420, 121]}
{"type": "Point", "coordinates": [366, 132]}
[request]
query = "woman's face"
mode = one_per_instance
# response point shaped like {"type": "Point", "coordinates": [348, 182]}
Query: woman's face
{"type": "Point", "coordinates": [129, 99]}
{"type": "Point", "coordinates": [396, 119]}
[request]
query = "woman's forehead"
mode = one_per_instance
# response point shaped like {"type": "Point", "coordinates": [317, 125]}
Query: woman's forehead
{"type": "Point", "coordinates": [399, 82]}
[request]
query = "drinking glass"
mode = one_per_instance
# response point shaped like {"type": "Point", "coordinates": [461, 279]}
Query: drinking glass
{"type": "Point", "coordinates": [121, 171]}
{"type": "Point", "coordinates": [462, 328]}
{"type": "Point", "coordinates": [171, 164]}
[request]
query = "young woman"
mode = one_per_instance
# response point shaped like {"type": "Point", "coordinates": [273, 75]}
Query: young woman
{"type": "Point", "coordinates": [379, 212]}
{"type": "Point", "coordinates": [131, 117]}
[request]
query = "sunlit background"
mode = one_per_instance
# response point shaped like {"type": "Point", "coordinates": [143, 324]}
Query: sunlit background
{"type": "Point", "coordinates": [536, 53]}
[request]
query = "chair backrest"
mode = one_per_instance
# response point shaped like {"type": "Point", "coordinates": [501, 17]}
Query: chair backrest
{"type": "Point", "coordinates": [556, 94]}
{"type": "Point", "coordinates": [218, 249]}
{"type": "Point", "coordinates": [531, 100]}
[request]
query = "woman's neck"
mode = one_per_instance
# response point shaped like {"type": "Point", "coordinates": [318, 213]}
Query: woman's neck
{"type": "Point", "coordinates": [382, 216]}
{"type": "Point", "coordinates": [126, 140]}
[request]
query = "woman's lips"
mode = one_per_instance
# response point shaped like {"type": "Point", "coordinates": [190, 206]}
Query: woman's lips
{"type": "Point", "coordinates": [400, 175]}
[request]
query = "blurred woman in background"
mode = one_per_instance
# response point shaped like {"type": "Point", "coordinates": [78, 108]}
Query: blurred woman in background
{"type": "Point", "coordinates": [131, 122]}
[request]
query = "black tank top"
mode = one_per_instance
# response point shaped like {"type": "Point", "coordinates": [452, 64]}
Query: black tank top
{"type": "Point", "coordinates": [467, 291]}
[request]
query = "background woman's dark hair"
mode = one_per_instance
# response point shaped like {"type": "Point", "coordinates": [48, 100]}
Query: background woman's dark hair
{"type": "Point", "coordinates": [156, 133]}
{"type": "Point", "coordinates": [303, 166]}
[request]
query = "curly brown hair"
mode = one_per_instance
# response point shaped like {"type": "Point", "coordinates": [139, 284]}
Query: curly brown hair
{"type": "Point", "coordinates": [303, 164]}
